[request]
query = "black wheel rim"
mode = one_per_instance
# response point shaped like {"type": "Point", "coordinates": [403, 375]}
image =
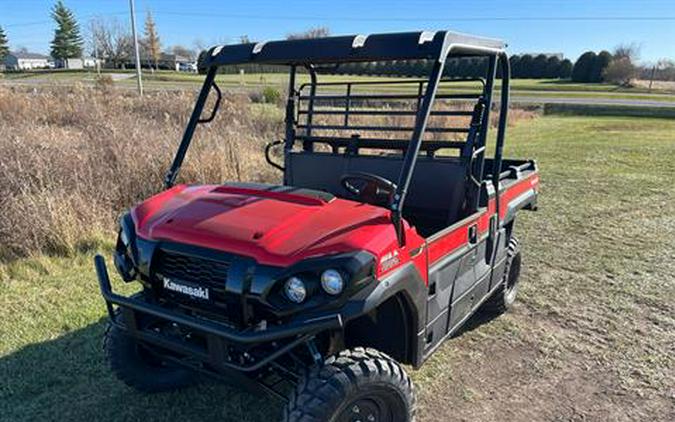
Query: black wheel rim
{"type": "Point", "coordinates": [373, 406]}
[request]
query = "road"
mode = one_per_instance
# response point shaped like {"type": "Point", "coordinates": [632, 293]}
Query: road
{"type": "Point", "coordinates": [525, 99]}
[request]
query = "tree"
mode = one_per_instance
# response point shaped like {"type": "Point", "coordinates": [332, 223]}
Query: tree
{"type": "Point", "coordinates": [514, 62]}
{"type": "Point", "coordinates": [4, 45]}
{"type": "Point", "coordinates": [539, 66]}
{"type": "Point", "coordinates": [421, 68]}
{"type": "Point", "coordinates": [581, 72]}
{"type": "Point", "coordinates": [151, 41]}
{"type": "Point", "coordinates": [318, 32]}
{"type": "Point", "coordinates": [629, 51]}
{"type": "Point", "coordinates": [565, 69]}
{"type": "Point", "coordinates": [663, 70]}
{"type": "Point", "coordinates": [526, 62]}
{"type": "Point", "coordinates": [620, 71]}
{"type": "Point", "coordinates": [180, 50]}
{"type": "Point", "coordinates": [600, 63]}
{"type": "Point", "coordinates": [552, 67]}
{"type": "Point", "coordinates": [111, 41]}
{"type": "Point", "coordinates": [67, 42]}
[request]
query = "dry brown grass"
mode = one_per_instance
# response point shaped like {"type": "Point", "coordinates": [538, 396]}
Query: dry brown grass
{"type": "Point", "coordinates": [73, 159]}
{"type": "Point", "coordinates": [668, 86]}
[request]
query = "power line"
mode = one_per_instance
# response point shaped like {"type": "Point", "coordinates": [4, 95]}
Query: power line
{"type": "Point", "coordinates": [386, 19]}
{"type": "Point", "coordinates": [430, 19]}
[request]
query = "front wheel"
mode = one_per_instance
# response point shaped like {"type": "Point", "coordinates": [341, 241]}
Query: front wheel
{"type": "Point", "coordinates": [136, 365]}
{"type": "Point", "coordinates": [355, 385]}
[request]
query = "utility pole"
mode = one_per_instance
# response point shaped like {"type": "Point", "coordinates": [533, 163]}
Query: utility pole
{"type": "Point", "coordinates": [138, 56]}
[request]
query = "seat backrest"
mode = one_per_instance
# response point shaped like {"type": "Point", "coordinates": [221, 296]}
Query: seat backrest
{"type": "Point", "coordinates": [437, 187]}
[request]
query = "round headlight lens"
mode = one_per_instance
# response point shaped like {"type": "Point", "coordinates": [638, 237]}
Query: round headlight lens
{"type": "Point", "coordinates": [295, 290]}
{"type": "Point", "coordinates": [332, 282]}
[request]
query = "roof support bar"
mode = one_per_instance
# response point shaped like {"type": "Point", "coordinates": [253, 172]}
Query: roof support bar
{"type": "Point", "coordinates": [501, 129]}
{"type": "Point", "coordinates": [310, 107]}
{"type": "Point", "coordinates": [415, 142]}
{"type": "Point", "coordinates": [290, 117]}
{"type": "Point", "coordinates": [478, 158]}
{"type": "Point", "coordinates": [171, 175]}
{"type": "Point", "coordinates": [290, 110]}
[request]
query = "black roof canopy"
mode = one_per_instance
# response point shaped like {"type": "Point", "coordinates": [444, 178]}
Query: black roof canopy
{"type": "Point", "coordinates": [355, 48]}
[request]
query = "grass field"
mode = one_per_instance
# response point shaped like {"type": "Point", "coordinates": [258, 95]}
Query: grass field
{"type": "Point", "coordinates": [590, 339]}
{"type": "Point", "coordinates": [531, 88]}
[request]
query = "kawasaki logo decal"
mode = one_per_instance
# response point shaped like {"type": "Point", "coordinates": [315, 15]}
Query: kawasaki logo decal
{"type": "Point", "coordinates": [192, 291]}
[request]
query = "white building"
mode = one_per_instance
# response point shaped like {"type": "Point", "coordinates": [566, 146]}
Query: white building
{"type": "Point", "coordinates": [18, 60]}
{"type": "Point", "coordinates": [73, 63]}
{"type": "Point", "coordinates": [167, 61]}
{"type": "Point", "coordinates": [76, 63]}
{"type": "Point", "coordinates": [91, 62]}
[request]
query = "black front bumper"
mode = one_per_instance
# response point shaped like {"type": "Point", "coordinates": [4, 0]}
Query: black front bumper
{"type": "Point", "coordinates": [218, 335]}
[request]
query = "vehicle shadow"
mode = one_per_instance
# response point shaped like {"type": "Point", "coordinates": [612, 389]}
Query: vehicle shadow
{"type": "Point", "coordinates": [481, 317]}
{"type": "Point", "coordinates": [68, 379]}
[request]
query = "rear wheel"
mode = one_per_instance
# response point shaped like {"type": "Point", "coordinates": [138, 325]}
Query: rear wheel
{"type": "Point", "coordinates": [137, 366]}
{"type": "Point", "coordinates": [356, 385]}
{"type": "Point", "coordinates": [505, 296]}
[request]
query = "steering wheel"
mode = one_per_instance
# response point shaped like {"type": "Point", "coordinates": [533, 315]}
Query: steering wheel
{"type": "Point", "coordinates": [369, 188]}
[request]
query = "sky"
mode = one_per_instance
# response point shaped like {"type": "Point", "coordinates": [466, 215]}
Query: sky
{"type": "Point", "coordinates": [528, 26]}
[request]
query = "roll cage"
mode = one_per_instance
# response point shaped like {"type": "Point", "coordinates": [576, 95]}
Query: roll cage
{"type": "Point", "coordinates": [318, 56]}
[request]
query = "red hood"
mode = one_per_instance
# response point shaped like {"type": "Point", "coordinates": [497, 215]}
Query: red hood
{"type": "Point", "coordinates": [275, 228]}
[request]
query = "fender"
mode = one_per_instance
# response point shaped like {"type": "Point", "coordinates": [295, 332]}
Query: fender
{"type": "Point", "coordinates": [526, 200]}
{"type": "Point", "coordinates": [409, 284]}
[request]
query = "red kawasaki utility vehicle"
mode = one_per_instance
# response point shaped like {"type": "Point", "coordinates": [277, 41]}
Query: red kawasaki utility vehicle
{"type": "Point", "coordinates": [392, 227]}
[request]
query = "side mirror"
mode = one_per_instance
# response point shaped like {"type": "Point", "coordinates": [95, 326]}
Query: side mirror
{"type": "Point", "coordinates": [268, 158]}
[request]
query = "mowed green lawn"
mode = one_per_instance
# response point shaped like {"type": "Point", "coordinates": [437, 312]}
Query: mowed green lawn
{"type": "Point", "coordinates": [591, 337]}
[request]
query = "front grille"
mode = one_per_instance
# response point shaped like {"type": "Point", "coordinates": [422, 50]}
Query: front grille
{"type": "Point", "coordinates": [205, 272]}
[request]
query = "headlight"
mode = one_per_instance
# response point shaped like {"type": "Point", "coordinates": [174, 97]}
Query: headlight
{"type": "Point", "coordinates": [295, 290]}
{"type": "Point", "coordinates": [332, 282]}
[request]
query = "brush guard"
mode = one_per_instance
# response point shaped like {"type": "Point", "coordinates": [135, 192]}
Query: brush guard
{"type": "Point", "coordinates": [218, 336]}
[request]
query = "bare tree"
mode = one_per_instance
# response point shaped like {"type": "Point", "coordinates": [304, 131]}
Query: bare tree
{"type": "Point", "coordinates": [318, 32]}
{"type": "Point", "coordinates": [620, 71]}
{"type": "Point", "coordinates": [666, 70]}
{"type": "Point", "coordinates": [151, 42]}
{"type": "Point", "coordinates": [111, 41]}
{"type": "Point", "coordinates": [662, 70]}
{"type": "Point", "coordinates": [199, 45]}
{"type": "Point", "coordinates": [180, 50]}
{"type": "Point", "coordinates": [629, 51]}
